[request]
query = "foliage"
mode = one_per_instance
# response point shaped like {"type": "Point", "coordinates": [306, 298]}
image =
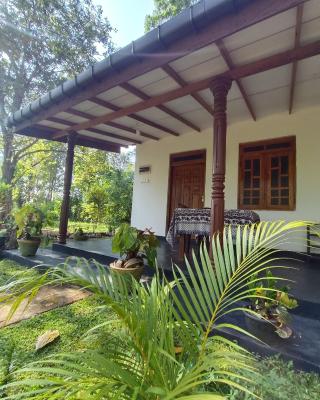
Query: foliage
{"type": "Point", "coordinates": [4, 192]}
{"type": "Point", "coordinates": [275, 308]}
{"type": "Point", "coordinates": [132, 243]}
{"type": "Point", "coordinates": [96, 204]}
{"type": "Point", "coordinates": [277, 380]}
{"type": "Point", "coordinates": [156, 319]}
{"type": "Point", "coordinates": [39, 175]}
{"type": "Point", "coordinates": [101, 190]}
{"type": "Point", "coordinates": [51, 212]}
{"type": "Point", "coordinates": [119, 192]}
{"type": "Point", "coordinates": [73, 321]}
{"type": "Point", "coordinates": [102, 187]}
{"type": "Point", "coordinates": [30, 221]}
{"type": "Point", "coordinates": [87, 227]}
{"type": "Point", "coordinates": [41, 44]}
{"type": "Point", "coordinates": [79, 234]}
{"type": "Point", "coordinates": [164, 10]}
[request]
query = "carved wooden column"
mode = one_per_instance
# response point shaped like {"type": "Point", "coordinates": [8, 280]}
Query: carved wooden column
{"type": "Point", "coordinates": [65, 206]}
{"type": "Point", "coordinates": [220, 88]}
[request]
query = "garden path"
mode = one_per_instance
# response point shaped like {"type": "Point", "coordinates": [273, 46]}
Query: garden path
{"type": "Point", "coordinates": [47, 299]}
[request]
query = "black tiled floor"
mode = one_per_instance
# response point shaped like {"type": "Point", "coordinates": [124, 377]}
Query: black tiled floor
{"type": "Point", "coordinates": [305, 275]}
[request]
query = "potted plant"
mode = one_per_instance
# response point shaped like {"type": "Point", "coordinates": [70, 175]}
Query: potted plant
{"type": "Point", "coordinates": [29, 220]}
{"type": "Point", "coordinates": [134, 246]}
{"type": "Point", "coordinates": [270, 309]}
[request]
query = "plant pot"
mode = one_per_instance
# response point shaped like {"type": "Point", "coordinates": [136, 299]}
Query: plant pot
{"type": "Point", "coordinates": [136, 271]}
{"type": "Point", "coordinates": [259, 327]}
{"type": "Point", "coordinates": [29, 247]}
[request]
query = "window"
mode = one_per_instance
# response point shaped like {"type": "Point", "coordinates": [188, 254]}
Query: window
{"type": "Point", "coordinates": [267, 175]}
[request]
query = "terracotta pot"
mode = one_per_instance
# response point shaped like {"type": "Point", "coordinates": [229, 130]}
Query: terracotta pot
{"type": "Point", "coordinates": [29, 247]}
{"type": "Point", "coordinates": [136, 272]}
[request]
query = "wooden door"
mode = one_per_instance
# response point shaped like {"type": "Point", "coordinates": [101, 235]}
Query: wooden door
{"type": "Point", "coordinates": [187, 181]}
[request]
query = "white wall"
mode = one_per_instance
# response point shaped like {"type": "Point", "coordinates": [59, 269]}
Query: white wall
{"type": "Point", "coordinates": [150, 199]}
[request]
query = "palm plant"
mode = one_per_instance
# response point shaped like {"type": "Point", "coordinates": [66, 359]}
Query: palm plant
{"type": "Point", "coordinates": [173, 347]}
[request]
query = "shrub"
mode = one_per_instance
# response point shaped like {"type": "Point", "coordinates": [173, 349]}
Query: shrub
{"type": "Point", "coordinates": [29, 220]}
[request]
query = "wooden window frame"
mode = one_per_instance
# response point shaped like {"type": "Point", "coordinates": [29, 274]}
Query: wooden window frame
{"type": "Point", "coordinates": [265, 202]}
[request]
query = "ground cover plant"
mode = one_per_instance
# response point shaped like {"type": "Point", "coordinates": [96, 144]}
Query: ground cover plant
{"type": "Point", "coordinates": [17, 342]}
{"type": "Point", "coordinates": [165, 349]}
{"type": "Point", "coordinates": [9, 270]}
{"type": "Point", "coordinates": [278, 380]}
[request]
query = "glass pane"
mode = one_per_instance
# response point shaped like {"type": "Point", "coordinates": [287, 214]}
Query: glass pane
{"type": "Point", "coordinates": [284, 181]}
{"type": "Point", "coordinates": [256, 183]}
{"type": "Point", "coordinates": [256, 167]}
{"type": "Point", "coordinates": [284, 164]}
{"type": "Point", "coordinates": [256, 193]}
{"type": "Point", "coordinates": [247, 179]}
{"type": "Point", "coordinates": [285, 192]}
{"type": "Point", "coordinates": [274, 178]}
{"type": "Point", "coordinates": [247, 164]}
{"type": "Point", "coordinates": [274, 201]}
{"type": "Point", "coordinates": [275, 193]}
{"type": "Point", "coordinates": [255, 201]}
{"type": "Point", "coordinates": [246, 200]}
{"type": "Point", "coordinates": [247, 193]}
{"type": "Point", "coordinates": [285, 201]}
{"type": "Point", "coordinates": [274, 162]}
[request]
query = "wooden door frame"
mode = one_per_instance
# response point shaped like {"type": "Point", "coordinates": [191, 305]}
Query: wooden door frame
{"type": "Point", "coordinates": [173, 163]}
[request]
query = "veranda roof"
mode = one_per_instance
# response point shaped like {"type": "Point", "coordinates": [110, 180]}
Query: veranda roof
{"type": "Point", "coordinates": [159, 84]}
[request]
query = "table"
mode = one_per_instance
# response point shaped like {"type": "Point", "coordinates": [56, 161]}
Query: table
{"type": "Point", "coordinates": [187, 222]}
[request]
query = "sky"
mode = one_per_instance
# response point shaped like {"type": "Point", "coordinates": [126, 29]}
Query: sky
{"type": "Point", "coordinates": [127, 16]}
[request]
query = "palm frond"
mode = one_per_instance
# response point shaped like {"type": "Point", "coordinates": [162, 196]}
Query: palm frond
{"type": "Point", "coordinates": [156, 318]}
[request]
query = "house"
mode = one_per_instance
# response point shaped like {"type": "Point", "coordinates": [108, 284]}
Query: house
{"type": "Point", "coordinates": [222, 103]}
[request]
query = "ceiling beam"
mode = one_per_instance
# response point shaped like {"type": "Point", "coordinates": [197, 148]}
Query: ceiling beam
{"type": "Point", "coordinates": [228, 60]}
{"type": "Point", "coordinates": [253, 13]}
{"type": "Point", "coordinates": [143, 96]}
{"type": "Point", "coordinates": [44, 132]}
{"type": "Point", "coordinates": [265, 64]}
{"type": "Point", "coordinates": [116, 125]}
{"type": "Point", "coordinates": [113, 107]}
{"type": "Point", "coordinates": [295, 63]}
{"type": "Point", "coordinates": [181, 82]}
{"type": "Point", "coordinates": [62, 133]}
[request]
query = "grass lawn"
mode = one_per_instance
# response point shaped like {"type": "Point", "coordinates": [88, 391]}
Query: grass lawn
{"type": "Point", "coordinates": [72, 321]}
{"type": "Point", "coordinates": [278, 379]}
{"type": "Point", "coordinates": [85, 226]}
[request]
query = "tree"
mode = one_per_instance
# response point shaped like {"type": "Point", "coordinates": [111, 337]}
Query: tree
{"type": "Point", "coordinates": [39, 177]}
{"type": "Point", "coordinates": [119, 197]}
{"type": "Point", "coordinates": [95, 205]}
{"type": "Point", "coordinates": [42, 42]}
{"type": "Point", "coordinates": [164, 10]}
{"type": "Point", "coordinates": [104, 178]}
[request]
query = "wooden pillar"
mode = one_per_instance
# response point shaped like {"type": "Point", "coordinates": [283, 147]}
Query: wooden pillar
{"type": "Point", "coordinates": [220, 88]}
{"type": "Point", "coordinates": [65, 206]}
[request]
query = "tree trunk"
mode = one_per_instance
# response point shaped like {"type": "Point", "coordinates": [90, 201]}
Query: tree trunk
{"type": "Point", "coordinates": [8, 170]}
